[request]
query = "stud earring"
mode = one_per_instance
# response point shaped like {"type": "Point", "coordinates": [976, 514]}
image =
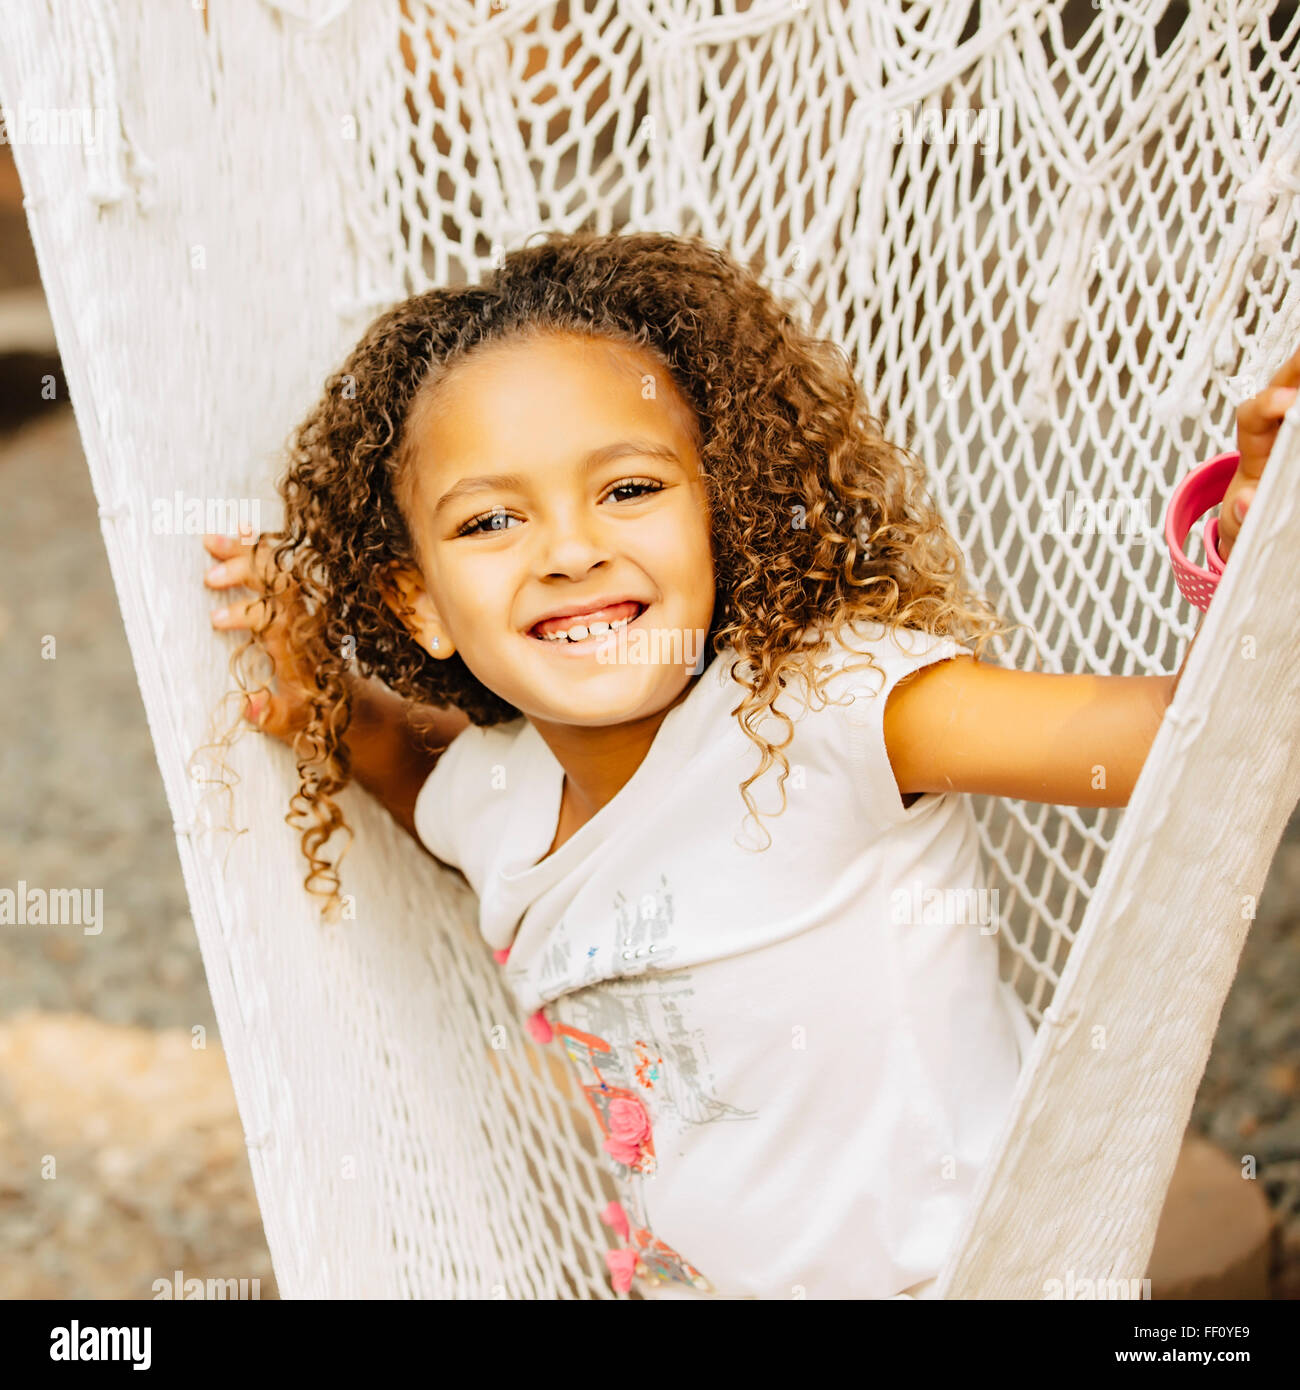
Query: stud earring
{"type": "Point", "coordinates": [435, 641]}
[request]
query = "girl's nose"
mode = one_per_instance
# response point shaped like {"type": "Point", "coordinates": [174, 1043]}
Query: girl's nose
{"type": "Point", "coordinates": [571, 545]}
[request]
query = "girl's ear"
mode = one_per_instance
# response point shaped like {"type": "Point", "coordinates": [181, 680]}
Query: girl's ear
{"type": "Point", "coordinates": [403, 591]}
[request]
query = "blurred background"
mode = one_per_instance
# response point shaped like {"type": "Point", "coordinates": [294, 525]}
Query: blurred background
{"type": "Point", "coordinates": [122, 1158]}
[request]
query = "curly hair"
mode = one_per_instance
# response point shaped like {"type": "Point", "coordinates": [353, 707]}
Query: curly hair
{"type": "Point", "coordinates": [824, 521]}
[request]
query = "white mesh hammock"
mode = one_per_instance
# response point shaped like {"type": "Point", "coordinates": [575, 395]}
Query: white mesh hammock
{"type": "Point", "coordinates": [1070, 310]}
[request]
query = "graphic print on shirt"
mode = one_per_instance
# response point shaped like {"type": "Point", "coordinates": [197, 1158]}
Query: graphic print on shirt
{"type": "Point", "coordinates": [636, 940]}
{"type": "Point", "coordinates": [632, 1048]}
{"type": "Point", "coordinates": [622, 1013]}
{"type": "Point", "coordinates": [629, 1139]}
{"type": "Point", "coordinates": [643, 1024]}
{"type": "Point", "coordinates": [642, 929]}
{"type": "Point", "coordinates": [554, 962]}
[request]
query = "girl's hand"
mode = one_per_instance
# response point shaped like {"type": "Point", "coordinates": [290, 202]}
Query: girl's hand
{"type": "Point", "coordinates": [284, 709]}
{"type": "Point", "coordinates": [1258, 421]}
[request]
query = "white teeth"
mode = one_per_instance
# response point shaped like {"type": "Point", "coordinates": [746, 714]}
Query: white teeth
{"type": "Point", "coordinates": [579, 631]}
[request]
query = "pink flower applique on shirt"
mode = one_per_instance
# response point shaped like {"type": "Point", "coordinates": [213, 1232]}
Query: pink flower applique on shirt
{"type": "Point", "coordinates": [629, 1130]}
{"type": "Point", "coordinates": [649, 1257]}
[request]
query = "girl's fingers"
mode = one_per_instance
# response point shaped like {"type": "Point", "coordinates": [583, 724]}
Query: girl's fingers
{"type": "Point", "coordinates": [234, 615]}
{"type": "Point", "coordinates": [219, 546]}
{"type": "Point", "coordinates": [1264, 412]}
{"type": "Point", "coordinates": [1268, 408]}
{"type": "Point", "coordinates": [1288, 374]}
{"type": "Point", "coordinates": [255, 707]}
{"type": "Point", "coordinates": [246, 559]}
{"type": "Point", "coordinates": [225, 547]}
{"type": "Point", "coordinates": [248, 545]}
{"type": "Point", "coordinates": [1258, 422]}
{"type": "Point", "coordinates": [249, 613]}
{"type": "Point", "coordinates": [236, 570]}
{"type": "Point", "coordinates": [267, 712]}
{"type": "Point", "coordinates": [241, 564]}
{"type": "Point", "coordinates": [1232, 514]}
{"type": "Point", "coordinates": [277, 708]}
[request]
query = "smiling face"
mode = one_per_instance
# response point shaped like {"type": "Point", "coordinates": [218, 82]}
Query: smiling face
{"type": "Point", "coordinates": [549, 476]}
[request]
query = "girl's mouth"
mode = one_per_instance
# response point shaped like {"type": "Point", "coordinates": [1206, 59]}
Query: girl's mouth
{"type": "Point", "coordinates": [589, 634]}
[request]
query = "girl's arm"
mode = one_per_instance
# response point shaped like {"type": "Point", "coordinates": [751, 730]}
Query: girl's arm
{"type": "Point", "coordinates": [960, 725]}
{"type": "Point", "coordinates": [964, 726]}
{"type": "Point", "coordinates": [394, 745]}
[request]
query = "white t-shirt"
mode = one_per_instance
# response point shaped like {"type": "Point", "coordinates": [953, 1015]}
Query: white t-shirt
{"type": "Point", "coordinates": [801, 1056]}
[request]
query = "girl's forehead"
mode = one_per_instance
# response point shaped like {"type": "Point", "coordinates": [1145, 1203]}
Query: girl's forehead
{"type": "Point", "coordinates": [546, 357]}
{"type": "Point", "coordinates": [551, 387]}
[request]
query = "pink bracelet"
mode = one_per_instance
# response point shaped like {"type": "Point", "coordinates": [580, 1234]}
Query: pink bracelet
{"type": "Point", "coordinates": [1203, 488]}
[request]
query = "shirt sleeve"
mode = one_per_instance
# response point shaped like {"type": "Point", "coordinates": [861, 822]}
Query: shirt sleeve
{"type": "Point", "coordinates": [897, 652]}
{"type": "Point", "coordinates": [461, 810]}
{"type": "Point", "coordinates": [435, 806]}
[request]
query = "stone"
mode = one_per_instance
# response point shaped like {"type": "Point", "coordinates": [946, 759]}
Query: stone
{"type": "Point", "coordinates": [1283, 1077]}
{"type": "Point", "coordinates": [1215, 1235]}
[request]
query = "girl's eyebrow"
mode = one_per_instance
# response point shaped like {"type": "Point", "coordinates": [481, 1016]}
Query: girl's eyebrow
{"type": "Point", "coordinates": [488, 481]}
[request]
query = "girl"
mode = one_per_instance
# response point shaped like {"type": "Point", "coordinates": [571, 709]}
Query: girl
{"type": "Point", "coordinates": [604, 526]}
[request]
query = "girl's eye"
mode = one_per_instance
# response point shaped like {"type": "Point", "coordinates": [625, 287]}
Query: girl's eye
{"type": "Point", "coordinates": [639, 487]}
{"type": "Point", "coordinates": [472, 528]}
